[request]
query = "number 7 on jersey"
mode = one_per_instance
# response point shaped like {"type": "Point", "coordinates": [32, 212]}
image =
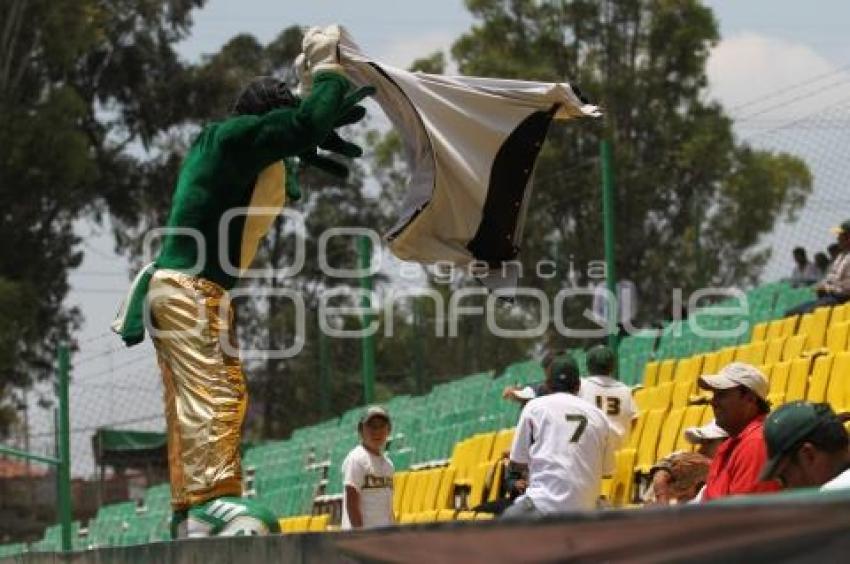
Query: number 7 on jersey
{"type": "Point", "coordinates": [580, 422]}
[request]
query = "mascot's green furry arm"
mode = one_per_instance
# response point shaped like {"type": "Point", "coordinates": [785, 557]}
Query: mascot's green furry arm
{"type": "Point", "coordinates": [237, 163]}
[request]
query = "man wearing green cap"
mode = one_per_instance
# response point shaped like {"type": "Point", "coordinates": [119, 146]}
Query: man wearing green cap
{"type": "Point", "coordinates": [807, 447]}
{"type": "Point", "coordinates": [607, 393]}
{"type": "Point", "coordinates": [835, 287]}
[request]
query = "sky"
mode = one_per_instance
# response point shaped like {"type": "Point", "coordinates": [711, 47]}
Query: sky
{"type": "Point", "coordinates": [771, 51]}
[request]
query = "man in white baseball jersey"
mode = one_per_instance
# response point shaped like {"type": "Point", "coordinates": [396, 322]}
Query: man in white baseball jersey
{"type": "Point", "coordinates": [566, 443]}
{"type": "Point", "coordinates": [607, 393]}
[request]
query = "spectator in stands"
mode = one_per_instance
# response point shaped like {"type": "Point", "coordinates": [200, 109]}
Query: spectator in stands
{"type": "Point", "coordinates": [677, 478]}
{"type": "Point", "coordinates": [822, 264]}
{"type": "Point", "coordinates": [807, 444]}
{"type": "Point", "coordinates": [739, 401]}
{"type": "Point", "coordinates": [566, 444]}
{"type": "Point", "coordinates": [367, 475]}
{"type": "Point", "coordinates": [834, 249]}
{"type": "Point", "coordinates": [706, 438]}
{"type": "Point", "coordinates": [835, 288]}
{"type": "Point", "coordinates": [602, 389]}
{"type": "Point", "coordinates": [805, 273]}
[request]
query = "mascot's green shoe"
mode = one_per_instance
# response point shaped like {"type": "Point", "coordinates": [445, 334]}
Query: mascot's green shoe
{"type": "Point", "coordinates": [224, 517]}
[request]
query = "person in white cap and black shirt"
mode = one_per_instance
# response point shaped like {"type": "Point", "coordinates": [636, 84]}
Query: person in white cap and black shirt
{"type": "Point", "coordinates": [367, 475]}
{"type": "Point", "coordinates": [740, 405]}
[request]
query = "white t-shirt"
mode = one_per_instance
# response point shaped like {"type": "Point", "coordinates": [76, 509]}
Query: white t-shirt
{"type": "Point", "coordinates": [614, 399]}
{"type": "Point", "coordinates": [372, 476]}
{"type": "Point", "coordinates": [840, 482]}
{"type": "Point", "coordinates": [568, 445]}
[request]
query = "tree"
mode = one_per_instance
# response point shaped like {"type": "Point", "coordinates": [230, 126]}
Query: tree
{"type": "Point", "coordinates": [81, 82]}
{"type": "Point", "coordinates": [692, 202]}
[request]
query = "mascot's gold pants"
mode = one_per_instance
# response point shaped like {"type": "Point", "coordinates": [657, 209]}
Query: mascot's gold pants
{"type": "Point", "coordinates": [204, 388]}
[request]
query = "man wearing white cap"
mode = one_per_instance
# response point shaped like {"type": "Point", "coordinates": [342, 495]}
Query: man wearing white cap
{"type": "Point", "coordinates": [739, 401]}
{"type": "Point", "coordinates": [707, 438]}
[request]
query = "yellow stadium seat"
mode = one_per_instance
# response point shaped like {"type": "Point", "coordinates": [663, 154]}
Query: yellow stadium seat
{"type": "Point", "coordinates": [670, 432]}
{"type": "Point", "coordinates": [649, 440]}
{"type": "Point", "coordinates": [819, 381]}
{"type": "Point", "coordinates": [283, 523]}
{"type": "Point", "coordinates": [759, 332]}
{"type": "Point", "coordinates": [622, 483]}
{"type": "Point", "coordinates": [502, 443]}
{"type": "Point", "coordinates": [413, 485]}
{"type": "Point", "coordinates": [482, 516]}
{"type": "Point", "coordinates": [681, 393]}
{"type": "Point", "coordinates": [836, 337]}
{"type": "Point", "coordinates": [319, 523]}
{"type": "Point", "coordinates": [399, 481]}
{"type": "Point", "coordinates": [773, 353]}
{"type": "Point", "coordinates": [650, 374]}
{"type": "Point", "coordinates": [688, 369]}
{"type": "Point", "coordinates": [641, 397]}
{"type": "Point", "coordinates": [692, 418]}
{"type": "Point", "coordinates": [757, 352]}
{"type": "Point", "coordinates": [839, 314]}
{"type": "Point", "coordinates": [637, 430]}
{"type": "Point", "coordinates": [709, 365]}
{"type": "Point", "coordinates": [793, 347]}
{"type": "Point", "coordinates": [774, 329]}
{"type": "Point", "coordinates": [427, 516]}
{"type": "Point", "coordinates": [798, 379]}
{"type": "Point", "coordinates": [605, 488]}
{"type": "Point", "coordinates": [407, 519]}
{"type": "Point", "coordinates": [815, 328]}
{"type": "Point", "coordinates": [465, 516]}
{"type": "Point", "coordinates": [839, 382]}
{"type": "Point", "coordinates": [446, 491]}
{"type": "Point", "coordinates": [496, 482]}
{"type": "Point", "coordinates": [778, 382]}
{"type": "Point", "coordinates": [485, 447]}
{"type": "Point", "coordinates": [432, 489]}
{"type": "Point", "coordinates": [479, 482]}
{"type": "Point", "coordinates": [446, 514]}
{"type": "Point", "coordinates": [789, 325]}
{"type": "Point", "coordinates": [725, 356]}
{"type": "Point", "coordinates": [663, 393]}
{"type": "Point", "coordinates": [665, 371]}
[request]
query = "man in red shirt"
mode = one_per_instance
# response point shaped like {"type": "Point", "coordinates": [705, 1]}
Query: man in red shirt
{"type": "Point", "coordinates": [740, 406]}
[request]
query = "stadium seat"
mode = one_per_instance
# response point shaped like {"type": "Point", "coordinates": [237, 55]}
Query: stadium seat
{"type": "Point", "coordinates": [819, 381]}
{"type": "Point", "coordinates": [774, 329]}
{"type": "Point", "coordinates": [839, 314]}
{"type": "Point", "coordinates": [814, 325]}
{"type": "Point", "coordinates": [479, 487]}
{"type": "Point", "coordinates": [759, 332]}
{"type": "Point", "coordinates": [642, 397]}
{"type": "Point", "coordinates": [839, 383]}
{"type": "Point", "coordinates": [665, 371]}
{"type": "Point", "coordinates": [661, 396]}
{"type": "Point", "coordinates": [502, 443]}
{"type": "Point", "coordinates": [432, 489]}
{"type": "Point", "coordinates": [692, 418]}
{"type": "Point", "coordinates": [773, 352]}
{"type": "Point", "coordinates": [446, 491]}
{"type": "Point", "coordinates": [650, 374]}
{"type": "Point", "coordinates": [446, 514]}
{"type": "Point", "coordinates": [637, 429]}
{"type": "Point", "coordinates": [681, 393]}
{"type": "Point", "coordinates": [319, 523]}
{"type": "Point", "coordinates": [622, 484]}
{"type": "Point", "coordinates": [798, 379]}
{"type": "Point", "coordinates": [399, 481]}
{"type": "Point", "coordinates": [709, 364]}
{"type": "Point", "coordinates": [836, 337]}
{"type": "Point", "coordinates": [793, 347]}
{"type": "Point", "coordinates": [670, 432]}
{"type": "Point", "coordinates": [649, 440]}
{"type": "Point", "coordinates": [725, 356]}
{"type": "Point", "coordinates": [778, 382]}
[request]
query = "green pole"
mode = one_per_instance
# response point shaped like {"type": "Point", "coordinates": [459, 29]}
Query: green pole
{"type": "Point", "coordinates": [64, 469]}
{"type": "Point", "coordinates": [324, 375]}
{"type": "Point", "coordinates": [418, 347]}
{"type": "Point", "coordinates": [608, 223]}
{"type": "Point", "coordinates": [364, 255]}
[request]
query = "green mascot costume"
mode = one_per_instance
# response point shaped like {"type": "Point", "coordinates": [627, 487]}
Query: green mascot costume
{"type": "Point", "coordinates": [232, 184]}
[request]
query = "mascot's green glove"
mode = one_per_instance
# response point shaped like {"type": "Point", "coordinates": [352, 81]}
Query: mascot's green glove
{"type": "Point", "coordinates": [349, 113]}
